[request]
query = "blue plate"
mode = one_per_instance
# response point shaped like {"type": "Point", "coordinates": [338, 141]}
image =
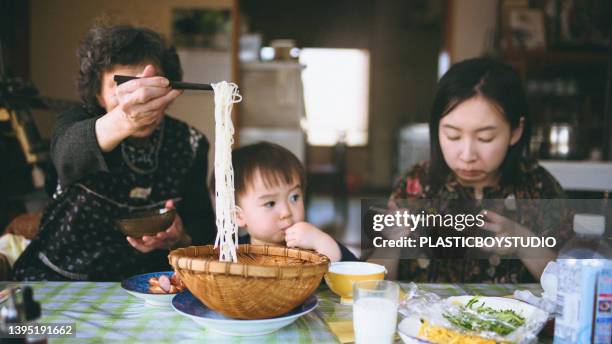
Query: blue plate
{"type": "Point", "coordinates": [139, 286]}
{"type": "Point", "coordinates": [186, 304]}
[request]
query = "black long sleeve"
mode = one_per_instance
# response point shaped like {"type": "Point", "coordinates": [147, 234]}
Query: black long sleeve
{"type": "Point", "coordinates": [74, 147]}
{"type": "Point", "coordinates": [196, 207]}
{"type": "Point", "coordinates": [346, 255]}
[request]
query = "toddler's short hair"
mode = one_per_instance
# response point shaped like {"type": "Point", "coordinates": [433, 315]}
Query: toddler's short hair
{"type": "Point", "coordinates": [276, 165]}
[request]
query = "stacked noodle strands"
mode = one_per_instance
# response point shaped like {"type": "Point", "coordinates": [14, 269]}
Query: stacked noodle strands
{"type": "Point", "coordinates": [226, 94]}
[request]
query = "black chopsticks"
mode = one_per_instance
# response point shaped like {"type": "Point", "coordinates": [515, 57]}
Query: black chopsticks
{"type": "Point", "coordinates": [177, 85]}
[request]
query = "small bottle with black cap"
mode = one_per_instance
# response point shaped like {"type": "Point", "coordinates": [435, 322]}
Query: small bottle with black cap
{"type": "Point", "coordinates": [19, 311]}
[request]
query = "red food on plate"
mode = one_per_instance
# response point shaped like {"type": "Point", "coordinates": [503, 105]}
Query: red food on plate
{"type": "Point", "coordinates": [165, 284]}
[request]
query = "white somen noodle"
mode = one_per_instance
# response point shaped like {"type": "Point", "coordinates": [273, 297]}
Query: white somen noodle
{"type": "Point", "coordinates": [226, 94]}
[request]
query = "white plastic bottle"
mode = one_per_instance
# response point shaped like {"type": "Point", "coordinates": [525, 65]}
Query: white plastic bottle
{"type": "Point", "coordinates": [584, 293]}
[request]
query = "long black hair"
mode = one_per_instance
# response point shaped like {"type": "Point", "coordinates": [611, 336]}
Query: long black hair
{"type": "Point", "coordinates": [497, 83]}
{"type": "Point", "coordinates": [106, 46]}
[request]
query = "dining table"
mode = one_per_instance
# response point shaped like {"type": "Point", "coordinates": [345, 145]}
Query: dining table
{"type": "Point", "coordinates": [104, 312]}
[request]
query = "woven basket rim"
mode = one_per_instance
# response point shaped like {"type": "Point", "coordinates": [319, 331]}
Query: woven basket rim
{"type": "Point", "coordinates": [317, 263]}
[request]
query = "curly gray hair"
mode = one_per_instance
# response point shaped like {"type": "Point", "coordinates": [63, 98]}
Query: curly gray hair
{"type": "Point", "coordinates": [106, 46]}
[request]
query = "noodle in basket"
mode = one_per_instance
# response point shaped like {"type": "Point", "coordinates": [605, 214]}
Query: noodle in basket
{"type": "Point", "coordinates": [226, 94]}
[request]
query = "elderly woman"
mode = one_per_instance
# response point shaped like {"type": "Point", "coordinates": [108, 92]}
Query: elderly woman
{"type": "Point", "coordinates": [117, 154]}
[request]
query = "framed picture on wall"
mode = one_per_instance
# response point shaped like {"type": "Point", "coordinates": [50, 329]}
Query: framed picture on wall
{"type": "Point", "coordinates": [202, 28]}
{"type": "Point", "coordinates": [526, 29]}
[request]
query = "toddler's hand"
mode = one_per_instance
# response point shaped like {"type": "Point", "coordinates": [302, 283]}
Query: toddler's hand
{"type": "Point", "coordinates": [303, 235]}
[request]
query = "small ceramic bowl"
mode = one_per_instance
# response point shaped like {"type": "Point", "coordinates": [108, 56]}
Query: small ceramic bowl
{"type": "Point", "coordinates": [148, 222]}
{"type": "Point", "coordinates": [342, 275]}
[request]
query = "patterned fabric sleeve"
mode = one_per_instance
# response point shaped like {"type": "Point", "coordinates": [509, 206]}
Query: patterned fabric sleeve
{"type": "Point", "coordinates": [551, 189]}
{"type": "Point", "coordinates": [409, 193]}
{"type": "Point", "coordinates": [346, 254]}
{"type": "Point", "coordinates": [409, 186]}
{"type": "Point", "coordinates": [556, 215]}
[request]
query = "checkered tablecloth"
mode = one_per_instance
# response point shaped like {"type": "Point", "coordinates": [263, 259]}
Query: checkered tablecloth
{"type": "Point", "coordinates": [103, 312]}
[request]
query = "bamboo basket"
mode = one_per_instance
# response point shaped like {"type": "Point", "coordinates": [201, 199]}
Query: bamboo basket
{"type": "Point", "coordinates": [267, 281]}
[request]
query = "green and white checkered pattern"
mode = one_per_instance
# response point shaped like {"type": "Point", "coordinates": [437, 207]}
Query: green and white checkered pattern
{"type": "Point", "coordinates": [103, 312]}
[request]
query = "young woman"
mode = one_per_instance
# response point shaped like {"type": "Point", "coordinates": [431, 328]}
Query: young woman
{"type": "Point", "coordinates": [479, 130]}
{"type": "Point", "coordinates": [117, 154]}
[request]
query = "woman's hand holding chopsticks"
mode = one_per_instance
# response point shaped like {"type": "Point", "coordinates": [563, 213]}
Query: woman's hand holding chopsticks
{"type": "Point", "coordinates": [134, 108]}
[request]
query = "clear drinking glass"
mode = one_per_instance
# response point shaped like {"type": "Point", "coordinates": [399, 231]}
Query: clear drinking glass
{"type": "Point", "coordinates": [375, 305]}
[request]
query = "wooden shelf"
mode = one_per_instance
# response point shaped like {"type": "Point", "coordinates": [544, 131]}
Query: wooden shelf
{"type": "Point", "coordinates": [557, 57]}
{"type": "Point", "coordinates": [271, 65]}
{"type": "Point", "coordinates": [528, 63]}
{"type": "Point", "coordinates": [565, 84]}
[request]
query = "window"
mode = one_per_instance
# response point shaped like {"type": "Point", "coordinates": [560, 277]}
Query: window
{"type": "Point", "coordinates": [336, 95]}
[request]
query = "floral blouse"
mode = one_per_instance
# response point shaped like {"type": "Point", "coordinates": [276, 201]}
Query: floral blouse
{"type": "Point", "coordinates": [537, 184]}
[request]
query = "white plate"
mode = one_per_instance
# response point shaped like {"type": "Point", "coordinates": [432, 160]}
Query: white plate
{"type": "Point", "coordinates": [409, 327]}
{"type": "Point", "coordinates": [189, 306]}
{"type": "Point", "coordinates": [139, 286]}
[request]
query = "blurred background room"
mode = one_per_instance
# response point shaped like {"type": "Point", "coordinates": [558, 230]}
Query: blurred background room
{"type": "Point", "coordinates": [346, 84]}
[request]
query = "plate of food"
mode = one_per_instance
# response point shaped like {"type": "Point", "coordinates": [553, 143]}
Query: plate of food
{"type": "Point", "coordinates": [189, 306]}
{"type": "Point", "coordinates": [474, 319]}
{"type": "Point", "coordinates": [155, 288]}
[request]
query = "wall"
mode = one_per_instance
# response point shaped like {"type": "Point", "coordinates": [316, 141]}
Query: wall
{"type": "Point", "coordinates": [403, 43]}
{"type": "Point", "coordinates": [403, 83]}
{"type": "Point", "coordinates": [14, 33]}
{"type": "Point", "coordinates": [472, 25]}
{"type": "Point", "coordinates": [57, 26]}
{"type": "Point", "coordinates": [404, 56]}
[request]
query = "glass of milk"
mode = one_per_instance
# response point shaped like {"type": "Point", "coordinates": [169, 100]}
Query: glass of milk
{"type": "Point", "coordinates": [375, 306]}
